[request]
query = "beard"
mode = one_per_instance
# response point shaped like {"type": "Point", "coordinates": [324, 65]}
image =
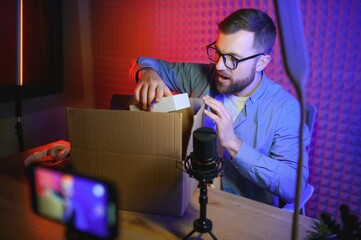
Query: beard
{"type": "Point", "coordinates": [239, 85]}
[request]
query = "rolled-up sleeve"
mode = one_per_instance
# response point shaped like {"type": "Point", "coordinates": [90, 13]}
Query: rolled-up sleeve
{"type": "Point", "coordinates": [192, 78]}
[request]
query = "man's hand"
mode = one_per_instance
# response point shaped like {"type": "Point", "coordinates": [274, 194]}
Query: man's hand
{"type": "Point", "coordinates": [150, 88]}
{"type": "Point", "coordinates": [224, 122]}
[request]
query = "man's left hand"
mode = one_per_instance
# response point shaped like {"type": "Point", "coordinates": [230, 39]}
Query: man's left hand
{"type": "Point", "coordinates": [224, 122]}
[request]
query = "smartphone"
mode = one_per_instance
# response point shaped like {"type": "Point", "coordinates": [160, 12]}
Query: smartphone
{"type": "Point", "coordinates": [87, 206]}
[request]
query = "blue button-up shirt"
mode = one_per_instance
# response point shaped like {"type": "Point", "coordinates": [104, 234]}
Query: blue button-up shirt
{"type": "Point", "coordinates": [266, 164]}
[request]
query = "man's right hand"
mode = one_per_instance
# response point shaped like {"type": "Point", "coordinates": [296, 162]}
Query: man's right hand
{"type": "Point", "coordinates": [150, 88]}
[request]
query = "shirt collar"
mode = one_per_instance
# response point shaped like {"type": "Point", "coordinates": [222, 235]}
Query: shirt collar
{"type": "Point", "coordinates": [260, 90]}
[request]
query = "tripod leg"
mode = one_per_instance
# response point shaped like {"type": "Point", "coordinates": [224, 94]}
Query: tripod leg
{"type": "Point", "coordinates": [189, 234]}
{"type": "Point", "coordinates": [212, 235]}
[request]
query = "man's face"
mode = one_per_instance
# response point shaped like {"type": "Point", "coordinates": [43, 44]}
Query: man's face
{"type": "Point", "coordinates": [240, 81]}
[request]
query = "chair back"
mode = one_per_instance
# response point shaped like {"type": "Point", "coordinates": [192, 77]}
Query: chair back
{"type": "Point", "coordinates": [311, 113]}
{"type": "Point", "coordinates": [121, 101]}
{"type": "Point", "coordinates": [306, 195]}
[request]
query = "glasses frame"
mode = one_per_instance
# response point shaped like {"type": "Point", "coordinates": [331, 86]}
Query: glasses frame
{"type": "Point", "coordinates": [226, 54]}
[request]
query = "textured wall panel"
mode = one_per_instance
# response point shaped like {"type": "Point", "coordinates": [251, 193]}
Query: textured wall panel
{"type": "Point", "coordinates": [180, 30]}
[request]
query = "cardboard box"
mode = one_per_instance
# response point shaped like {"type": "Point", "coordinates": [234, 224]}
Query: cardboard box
{"type": "Point", "coordinates": [137, 151]}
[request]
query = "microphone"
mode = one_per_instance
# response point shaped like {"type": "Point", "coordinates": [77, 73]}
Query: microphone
{"type": "Point", "coordinates": [204, 146]}
{"type": "Point", "coordinates": [203, 163]}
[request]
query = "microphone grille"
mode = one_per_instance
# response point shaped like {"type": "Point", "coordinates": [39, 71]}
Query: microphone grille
{"type": "Point", "coordinates": [204, 144]}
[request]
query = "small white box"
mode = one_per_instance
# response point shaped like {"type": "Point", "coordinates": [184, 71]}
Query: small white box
{"type": "Point", "coordinates": [169, 104]}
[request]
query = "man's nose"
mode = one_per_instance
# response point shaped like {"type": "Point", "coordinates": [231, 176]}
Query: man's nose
{"type": "Point", "coordinates": [220, 64]}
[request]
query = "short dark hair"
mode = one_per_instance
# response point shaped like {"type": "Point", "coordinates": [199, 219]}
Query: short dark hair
{"type": "Point", "coordinates": [252, 20]}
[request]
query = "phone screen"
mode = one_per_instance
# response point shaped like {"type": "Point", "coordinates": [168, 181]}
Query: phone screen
{"type": "Point", "coordinates": [85, 205]}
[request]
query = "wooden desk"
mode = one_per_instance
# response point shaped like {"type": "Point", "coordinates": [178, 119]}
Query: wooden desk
{"type": "Point", "coordinates": [233, 217]}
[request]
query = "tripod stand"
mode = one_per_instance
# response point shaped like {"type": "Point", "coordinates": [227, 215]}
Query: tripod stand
{"type": "Point", "coordinates": [204, 165]}
{"type": "Point", "coordinates": [202, 224]}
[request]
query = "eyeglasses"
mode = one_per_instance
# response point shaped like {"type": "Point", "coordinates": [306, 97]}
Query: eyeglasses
{"type": "Point", "coordinates": [230, 61]}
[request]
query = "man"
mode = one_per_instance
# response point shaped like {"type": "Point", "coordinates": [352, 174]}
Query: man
{"type": "Point", "coordinates": [256, 120]}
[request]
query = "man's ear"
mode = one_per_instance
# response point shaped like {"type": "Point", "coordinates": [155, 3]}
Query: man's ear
{"type": "Point", "coordinates": [262, 62]}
